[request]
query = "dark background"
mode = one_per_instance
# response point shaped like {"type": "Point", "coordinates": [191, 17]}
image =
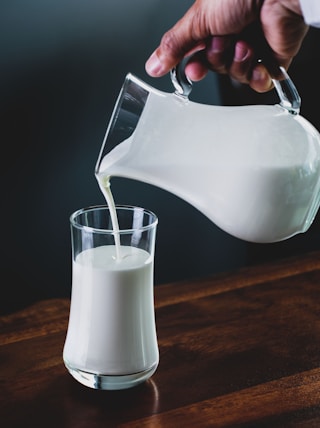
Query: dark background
{"type": "Point", "coordinates": [63, 63]}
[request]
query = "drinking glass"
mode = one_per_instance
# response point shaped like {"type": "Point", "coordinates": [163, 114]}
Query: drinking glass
{"type": "Point", "coordinates": [111, 340]}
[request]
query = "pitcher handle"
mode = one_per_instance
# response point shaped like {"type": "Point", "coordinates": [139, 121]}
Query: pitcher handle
{"type": "Point", "coordinates": [180, 81]}
{"type": "Point", "coordinates": [286, 90]}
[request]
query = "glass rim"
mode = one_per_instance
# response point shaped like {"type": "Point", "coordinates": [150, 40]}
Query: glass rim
{"type": "Point", "coordinates": [80, 211]}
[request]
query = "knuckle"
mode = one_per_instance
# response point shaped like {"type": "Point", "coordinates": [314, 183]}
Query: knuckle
{"type": "Point", "coordinates": [170, 45]}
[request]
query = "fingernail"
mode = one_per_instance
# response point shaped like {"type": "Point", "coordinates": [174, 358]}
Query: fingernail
{"type": "Point", "coordinates": [262, 78]}
{"type": "Point", "coordinates": [240, 52]}
{"type": "Point", "coordinates": [218, 44]}
{"type": "Point", "coordinates": [258, 74]}
{"type": "Point", "coordinates": [153, 65]}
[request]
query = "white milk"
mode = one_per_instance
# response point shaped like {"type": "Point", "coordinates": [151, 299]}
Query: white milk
{"type": "Point", "coordinates": [252, 170]}
{"type": "Point", "coordinates": [104, 184]}
{"type": "Point", "coordinates": [112, 324]}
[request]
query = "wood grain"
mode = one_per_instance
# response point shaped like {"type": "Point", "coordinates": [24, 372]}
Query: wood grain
{"type": "Point", "coordinates": [239, 349]}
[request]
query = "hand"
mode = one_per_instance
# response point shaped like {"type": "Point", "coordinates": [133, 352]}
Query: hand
{"type": "Point", "coordinates": [229, 36]}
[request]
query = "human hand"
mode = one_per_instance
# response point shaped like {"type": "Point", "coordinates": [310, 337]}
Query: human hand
{"type": "Point", "coordinates": [221, 35]}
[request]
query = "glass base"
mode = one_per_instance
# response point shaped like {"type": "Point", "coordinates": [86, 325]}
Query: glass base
{"type": "Point", "coordinates": [111, 382]}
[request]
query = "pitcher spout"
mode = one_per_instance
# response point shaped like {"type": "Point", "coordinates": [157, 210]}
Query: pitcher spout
{"type": "Point", "coordinates": [125, 117]}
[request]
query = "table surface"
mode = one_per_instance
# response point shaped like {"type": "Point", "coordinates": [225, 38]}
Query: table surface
{"type": "Point", "coordinates": [238, 349]}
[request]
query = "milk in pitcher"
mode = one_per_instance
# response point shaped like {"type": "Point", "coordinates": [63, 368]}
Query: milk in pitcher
{"type": "Point", "coordinates": [252, 170]}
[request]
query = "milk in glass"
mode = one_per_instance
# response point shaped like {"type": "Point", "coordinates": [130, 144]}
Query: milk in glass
{"type": "Point", "coordinates": [111, 315]}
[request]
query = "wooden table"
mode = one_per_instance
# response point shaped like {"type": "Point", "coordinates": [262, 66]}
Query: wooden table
{"type": "Point", "coordinates": [240, 349]}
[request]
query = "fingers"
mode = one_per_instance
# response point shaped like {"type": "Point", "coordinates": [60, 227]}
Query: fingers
{"type": "Point", "coordinates": [226, 36]}
{"type": "Point", "coordinates": [197, 68]}
{"type": "Point", "coordinates": [222, 54]}
{"type": "Point", "coordinates": [237, 58]}
{"type": "Point", "coordinates": [219, 53]}
{"type": "Point", "coordinates": [217, 56]}
{"type": "Point", "coordinates": [245, 68]}
{"type": "Point", "coordinates": [260, 79]}
{"type": "Point", "coordinates": [243, 62]}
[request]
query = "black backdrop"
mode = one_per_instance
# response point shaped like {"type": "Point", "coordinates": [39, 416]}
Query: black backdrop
{"type": "Point", "coordinates": [62, 65]}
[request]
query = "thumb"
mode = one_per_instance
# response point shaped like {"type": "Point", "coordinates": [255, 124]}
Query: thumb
{"type": "Point", "coordinates": [177, 43]}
